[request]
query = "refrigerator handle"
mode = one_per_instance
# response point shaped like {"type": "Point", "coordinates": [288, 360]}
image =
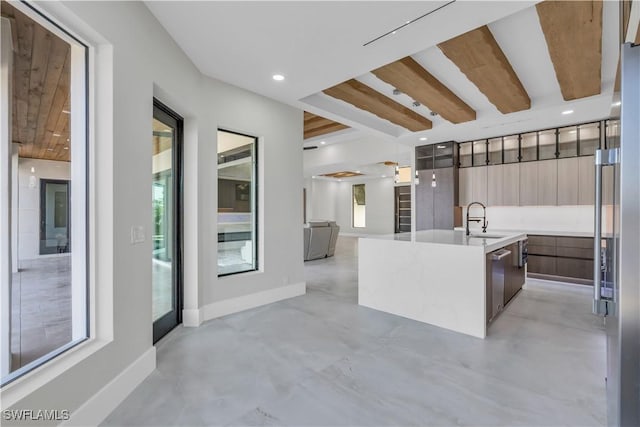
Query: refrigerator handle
{"type": "Point", "coordinates": [597, 247]}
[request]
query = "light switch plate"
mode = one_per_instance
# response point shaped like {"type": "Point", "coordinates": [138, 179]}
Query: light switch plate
{"type": "Point", "coordinates": [137, 234]}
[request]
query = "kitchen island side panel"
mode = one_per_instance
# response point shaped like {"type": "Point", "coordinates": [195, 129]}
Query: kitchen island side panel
{"type": "Point", "coordinates": [439, 284]}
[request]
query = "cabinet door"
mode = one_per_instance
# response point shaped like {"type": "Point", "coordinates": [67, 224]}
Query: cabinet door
{"type": "Point", "coordinates": [494, 185]}
{"type": "Point", "coordinates": [443, 199]}
{"type": "Point", "coordinates": [528, 184]}
{"type": "Point", "coordinates": [548, 182]}
{"type": "Point", "coordinates": [541, 265]}
{"type": "Point", "coordinates": [424, 201]}
{"type": "Point", "coordinates": [568, 181]}
{"type": "Point", "coordinates": [586, 180]}
{"type": "Point", "coordinates": [464, 186]}
{"type": "Point", "coordinates": [479, 184]}
{"type": "Point", "coordinates": [511, 184]}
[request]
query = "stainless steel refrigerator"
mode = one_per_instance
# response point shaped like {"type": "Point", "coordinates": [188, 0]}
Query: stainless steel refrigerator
{"type": "Point", "coordinates": [617, 238]}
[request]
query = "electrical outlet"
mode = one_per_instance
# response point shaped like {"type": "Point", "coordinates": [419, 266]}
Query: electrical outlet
{"type": "Point", "coordinates": [137, 234]}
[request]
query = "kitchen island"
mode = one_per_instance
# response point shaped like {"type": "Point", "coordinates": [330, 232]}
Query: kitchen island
{"type": "Point", "coordinates": [433, 276]}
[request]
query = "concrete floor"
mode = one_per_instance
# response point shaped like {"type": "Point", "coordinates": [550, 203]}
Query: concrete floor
{"type": "Point", "coordinates": [320, 359]}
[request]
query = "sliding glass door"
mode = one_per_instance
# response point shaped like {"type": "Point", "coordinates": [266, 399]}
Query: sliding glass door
{"type": "Point", "coordinates": [167, 215]}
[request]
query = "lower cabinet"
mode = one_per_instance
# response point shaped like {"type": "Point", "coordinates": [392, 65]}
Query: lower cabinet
{"type": "Point", "coordinates": [567, 259]}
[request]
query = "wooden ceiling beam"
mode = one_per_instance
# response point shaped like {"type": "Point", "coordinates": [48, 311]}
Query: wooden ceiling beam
{"type": "Point", "coordinates": [315, 125]}
{"type": "Point", "coordinates": [411, 78]}
{"type": "Point", "coordinates": [328, 128]}
{"type": "Point", "coordinates": [573, 31]}
{"type": "Point", "coordinates": [479, 57]}
{"type": "Point", "coordinates": [365, 98]}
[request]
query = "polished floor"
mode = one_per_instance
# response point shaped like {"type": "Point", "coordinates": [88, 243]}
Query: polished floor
{"type": "Point", "coordinates": [40, 308]}
{"type": "Point", "coordinates": [322, 360]}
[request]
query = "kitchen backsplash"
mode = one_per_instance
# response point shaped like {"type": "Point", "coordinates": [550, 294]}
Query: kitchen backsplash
{"type": "Point", "coordinates": [549, 218]}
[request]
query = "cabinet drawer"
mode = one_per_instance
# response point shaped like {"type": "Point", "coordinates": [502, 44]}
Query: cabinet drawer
{"type": "Point", "coordinates": [541, 250]}
{"type": "Point", "coordinates": [541, 240]}
{"type": "Point", "coordinates": [578, 268]}
{"type": "Point", "coordinates": [575, 242]}
{"type": "Point", "coordinates": [541, 265]}
{"type": "Point", "coordinates": [574, 252]}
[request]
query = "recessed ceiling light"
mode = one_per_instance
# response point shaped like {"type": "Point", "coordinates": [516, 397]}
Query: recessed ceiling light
{"type": "Point", "coordinates": [357, 171]}
{"type": "Point", "coordinates": [424, 138]}
{"type": "Point", "coordinates": [66, 148]}
{"type": "Point", "coordinates": [573, 131]}
{"type": "Point", "coordinates": [56, 134]}
{"type": "Point", "coordinates": [67, 139]}
{"type": "Point", "coordinates": [278, 77]}
{"type": "Point", "coordinates": [66, 111]}
{"type": "Point", "coordinates": [617, 104]}
{"type": "Point", "coordinates": [49, 149]}
{"type": "Point", "coordinates": [384, 176]}
{"type": "Point", "coordinates": [393, 32]}
{"type": "Point", "coordinates": [567, 112]}
{"type": "Point", "coordinates": [323, 142]}
{"type": "Point", "coordinates": [441, 146]}
{"type": "Point", "coordinates": [313, 176]}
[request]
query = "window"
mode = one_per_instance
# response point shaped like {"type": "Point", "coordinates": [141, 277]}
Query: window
{"type": "Point", "coordinates": [237, 203]}
{"type": "Point", "coordinates": [43, 270]}
{"type": "Point", "coordinates": [359, 206]}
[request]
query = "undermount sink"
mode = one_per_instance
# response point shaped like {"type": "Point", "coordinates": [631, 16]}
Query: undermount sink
{"type": "Point", "coordinates": [484, 236]}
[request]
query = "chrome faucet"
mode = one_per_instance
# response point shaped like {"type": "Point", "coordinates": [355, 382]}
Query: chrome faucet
{"type": "Point", "coordinates": [477, 218]}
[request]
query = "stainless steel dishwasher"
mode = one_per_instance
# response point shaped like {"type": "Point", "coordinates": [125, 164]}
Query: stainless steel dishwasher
{"type": "Point", "coordinates": [499, 261]}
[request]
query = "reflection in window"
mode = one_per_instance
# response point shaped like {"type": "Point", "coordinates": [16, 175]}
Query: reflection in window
{"type": "Point", "coordinates": [359, 206]}
{"type": "Point", "coordinates": [495, 151]}
{"type": "Point", "coordinates": [45, 279]}
{"type": "Point", "coordinates": [529, 146]}
{"type": "Point", "coordinates": [479, 153]}
{"type": "Point", "coordinates": [237, 198]}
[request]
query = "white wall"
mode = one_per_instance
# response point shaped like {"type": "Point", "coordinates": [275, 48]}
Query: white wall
{"type": "Point", "coordinates": [137, 60]}
{"type": "Point", "coordinates": [332, 200]}
{"type": "Point", "coordinates": [29, 202]}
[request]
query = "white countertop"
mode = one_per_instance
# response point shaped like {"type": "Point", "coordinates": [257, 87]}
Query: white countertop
{"type": "Point", "coordinates": [536, 232]}
{"type": "Point", "coordinates": [493, 241]}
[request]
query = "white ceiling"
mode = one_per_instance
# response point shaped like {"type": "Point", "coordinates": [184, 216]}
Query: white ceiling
{"type": "Point", "coordinates": [316, 45]}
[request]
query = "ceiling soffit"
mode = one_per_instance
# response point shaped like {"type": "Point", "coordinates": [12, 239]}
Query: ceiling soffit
{"type": "Point", "coordinates": [573, 31]}
{"type": "Point", "coordinates": [479, 57]}
{"type": "Point", "coordinates": [365, 98]}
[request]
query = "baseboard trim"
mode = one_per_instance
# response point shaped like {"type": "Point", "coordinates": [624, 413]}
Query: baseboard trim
{"type": "Point", "coordinates": [246, 302]}
{"type": "Point", "coordinates": [100, 405]}
{"type": "Point", "coordinates": [191, 318]}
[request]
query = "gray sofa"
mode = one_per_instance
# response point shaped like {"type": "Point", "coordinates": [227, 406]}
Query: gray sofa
{"type": "Point", "coordinates": [320, 239]}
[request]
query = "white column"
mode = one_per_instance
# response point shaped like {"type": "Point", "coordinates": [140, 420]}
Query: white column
{"type": "Point", "coordinates": [6, 58]}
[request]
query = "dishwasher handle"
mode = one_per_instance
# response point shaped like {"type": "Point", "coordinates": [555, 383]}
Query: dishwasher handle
{"type": "Point", "coordinates": [500, 254]}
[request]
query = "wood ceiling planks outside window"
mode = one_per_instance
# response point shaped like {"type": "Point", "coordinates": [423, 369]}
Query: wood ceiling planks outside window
{"type": "Point", "coordinates": [573, 31]}
{"type": "Point", "coordinates": [316, 125]}
{"type": "Point", "coordinates": [479, 57]}
{"type": "Point", "coordinates": [365, 98]}
{"type": "Point", "coordinates": [41, 89]}
{"type": "Point", "coordinates": [411, 78]}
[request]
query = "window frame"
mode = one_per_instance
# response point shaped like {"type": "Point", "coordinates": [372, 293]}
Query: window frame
{"type": "Point", "coordinates": [35, 374]}
{"type": "Point", "coordinates": [255, 199]}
